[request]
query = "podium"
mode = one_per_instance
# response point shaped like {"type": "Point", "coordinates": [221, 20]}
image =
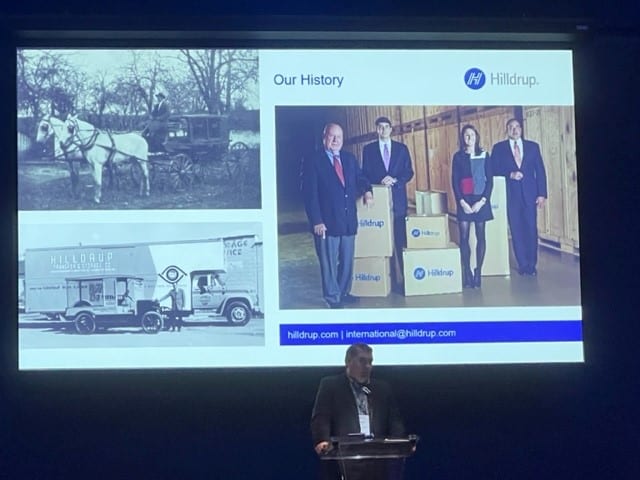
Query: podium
{"type": "Point", "coordinates": [369, 458]}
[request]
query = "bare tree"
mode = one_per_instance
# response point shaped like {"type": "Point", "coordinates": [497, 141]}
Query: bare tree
{"type": "Point", "coordinates": [183, 94]}
{"type": "Point", "coordinates": [46, 83]}
{"type": "Point", "coordinates": [142, 78]}
{"type": "Point", "coordinates": [102, 95]}
{"type": "Point", "coordinates": [222, 76]}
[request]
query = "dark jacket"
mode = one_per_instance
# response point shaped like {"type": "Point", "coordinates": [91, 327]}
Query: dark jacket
{"type": "Point", "coordinates": [399, 168]}
{"type": "Point", "coordinates": [326, 200]}
{"type": "Point", "coordinates": [534, 182]}
{"type": "Point", "coordinates": [335, 412]}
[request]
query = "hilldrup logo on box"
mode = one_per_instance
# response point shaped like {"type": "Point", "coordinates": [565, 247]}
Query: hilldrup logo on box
{"type": "Point", "coordinates": [417, 232]}
{"type": "Point", "coordinates": [475, 79]}
{"type": "Point", "coordinates": [367, 277]}
{"type": "Point", "coordinates": [368, 222]}
{"type": "Point", "coordinates": [420, 273]}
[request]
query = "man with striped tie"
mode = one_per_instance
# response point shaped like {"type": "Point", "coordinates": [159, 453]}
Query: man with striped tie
{"type": "Point", "coordinates": [520, 161]}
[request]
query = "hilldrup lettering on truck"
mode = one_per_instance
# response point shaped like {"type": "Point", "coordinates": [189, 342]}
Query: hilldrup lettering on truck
{"type": "Point", "coordinates": [238, 259]}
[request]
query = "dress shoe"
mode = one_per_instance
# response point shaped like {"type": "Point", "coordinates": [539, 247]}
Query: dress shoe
{"type": "Point", "coordinates": [533, 272]}
{"type": "Point", "coordinates": [522, 271]}
{"type": "Point", "coordinates": [335, 305]}
{"type": "Point", "coordinates": [467, 278]}
{"type": "Point", "coordinates": [348, 299]}
{"type": "Point", "coordinates": [477, 278]}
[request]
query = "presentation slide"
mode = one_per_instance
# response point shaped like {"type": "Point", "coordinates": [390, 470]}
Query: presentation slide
{"type": "Point", "coordinates": [210, 208]}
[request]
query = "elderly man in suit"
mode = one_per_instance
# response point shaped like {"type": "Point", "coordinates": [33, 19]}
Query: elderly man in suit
{"type": "Point", "coordinates": [388, 163]}
{"type": "Point", "coordinates": [332, 182]}
{"type": "Point", "coordinates": [520, 161]}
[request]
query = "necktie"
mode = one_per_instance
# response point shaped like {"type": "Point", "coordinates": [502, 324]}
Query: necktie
{"type": "Point", "coordinates": [337, 166]}
{"type": "Point", "coordinates": [362, 401]}
{"type": "Point", "coordinates": [386, 157]}
{"type": "Point", "coordinates": [516, 154]}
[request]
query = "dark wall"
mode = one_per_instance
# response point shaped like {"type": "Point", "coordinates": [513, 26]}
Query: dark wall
{"type": "Point", "coordinates": [526, 421]}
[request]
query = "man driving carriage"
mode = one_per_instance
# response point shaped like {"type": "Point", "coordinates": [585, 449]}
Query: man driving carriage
{"type": "Point", "coordinates": [156, 130]}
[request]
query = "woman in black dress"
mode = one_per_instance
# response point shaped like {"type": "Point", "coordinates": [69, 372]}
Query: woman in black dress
{"type": "Point", "coordinates": [472, 181]}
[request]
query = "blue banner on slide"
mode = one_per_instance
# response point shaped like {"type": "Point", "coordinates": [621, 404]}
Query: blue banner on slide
{"type": "Point", "coordinates": [443, 332]}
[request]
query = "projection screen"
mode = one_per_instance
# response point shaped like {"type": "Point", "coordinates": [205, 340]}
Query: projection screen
{"type": "Point", "coordinates": [170, 204]}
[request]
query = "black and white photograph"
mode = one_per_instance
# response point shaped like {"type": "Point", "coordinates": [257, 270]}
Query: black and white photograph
{"type": "Point", "coordinates": [104, 285]}
{"type": "Point", "coordinates": [138, 129]}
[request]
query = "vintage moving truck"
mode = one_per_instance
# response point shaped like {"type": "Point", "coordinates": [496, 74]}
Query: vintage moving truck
{"type": "Point", "coordinates": [218, 277]}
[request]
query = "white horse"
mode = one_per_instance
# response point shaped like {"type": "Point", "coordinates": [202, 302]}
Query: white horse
{"type": "Point", "coordinates": [49, 126]}
{"type": "Point", "coordinates": [101, 148]}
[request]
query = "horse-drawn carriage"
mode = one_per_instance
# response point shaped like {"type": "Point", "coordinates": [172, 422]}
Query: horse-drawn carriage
{"type": "Point", "coordinates": [194, 148]}
{"type": "Point", "coordinates": [193, 145]}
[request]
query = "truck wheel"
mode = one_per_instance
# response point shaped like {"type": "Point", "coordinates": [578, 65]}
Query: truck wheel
{"type": "Point", "coordinates": [238, 314]}
{"type": "Point", "coordinates": [85, 323]}
{"type": "Point", "coordinates": [151, 322]}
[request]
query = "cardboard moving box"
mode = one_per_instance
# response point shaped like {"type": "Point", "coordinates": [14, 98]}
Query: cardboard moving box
{"type": "Point", "coordinates": [371, 277]}
{"type": "Point", "coordinates": [375, 225]}
{"type": "Point", "coordinates": [431, 202]}
{"type": "Point", "coordinates": [427, 232]}
{"type": "Point", "coordinates": [432, 270]}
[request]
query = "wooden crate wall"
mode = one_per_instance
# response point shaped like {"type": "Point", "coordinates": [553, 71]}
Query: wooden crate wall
{"type": "Point", "coordinates": [414, 136]}
{"type": "Point", "coordinates": [442, 142]}
{"type": "Point", "coordinates": [416, 142]}
{"type": "Point", "coordinates": [431, 110]}
{"type": "Point", "coordinates": [553, 128]}
{"type": "Point", "coordinates": [570, 177]}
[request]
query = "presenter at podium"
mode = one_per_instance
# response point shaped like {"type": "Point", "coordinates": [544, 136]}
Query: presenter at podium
{"type": "Point", "coordinates": [354, 403]}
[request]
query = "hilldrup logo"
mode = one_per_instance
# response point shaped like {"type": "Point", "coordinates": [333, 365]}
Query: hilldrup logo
{"type": "Point", "coordinates": [416, 232]}
{"type": "Point", "coordinates": [368, 277]}
{"type": "Point", "coordinates": [474, 78]}
{"type": "Point", "coordinates": [420, 273]}
{"type": "Point", "coordinates": [369, 223]}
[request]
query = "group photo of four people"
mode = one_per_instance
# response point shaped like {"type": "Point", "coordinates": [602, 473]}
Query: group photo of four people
{"type": "Point", "coordinates": [333, 181]}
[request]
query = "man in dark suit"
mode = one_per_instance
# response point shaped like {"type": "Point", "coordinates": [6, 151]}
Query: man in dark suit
{"type": "Point", "coordinates": [352, 402]}
{"type": "Point", "coordinates": [332, 182]}
{"type": "Point", "coordinates": [388, 163]}
{"type": "Point", "coordinates": [156, 130]}
{"type": "Point", "coordinates": [520, 161]}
